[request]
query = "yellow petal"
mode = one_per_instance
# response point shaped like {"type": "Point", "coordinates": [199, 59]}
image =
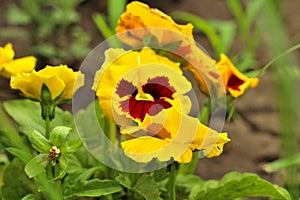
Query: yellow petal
{"type": "Point", "coordinates": [235, 82]}
{"type": "Point", "coordinates": [139, 16]}
{"type": "Point", "coordinates": [216, 148]}
{"type": "Point", "coordinates": [144, 149]}
{"type": "Point", "coordinates": [137, 68]}
{"type": "Point", "coordinates": [14, 67]}
{"type": "Point", "coordinates": [182, 132]}
{"type": "Point", "coordinates": [30, 84]}
{"type": "Point", "coordinates": [6, 54]}
{"type": "Point", "coordinates": [67, 75]}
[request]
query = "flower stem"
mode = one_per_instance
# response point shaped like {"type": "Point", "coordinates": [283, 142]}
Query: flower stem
{"type": "Point", "coordinates": [112, 132]}
{"type": "Point", "coordinates": [172, 190]}
{"type": "Point", "coordinates": [49, 168]}
{"type": "Point", "coordinates": [47, 127]}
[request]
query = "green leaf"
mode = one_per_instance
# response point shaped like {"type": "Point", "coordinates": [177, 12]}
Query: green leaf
{"type": "Point", "coordinates": [124, 180]}
{"type": "Point", "coordinates": [97, 188]}
{"type": "Point", "coordinates": [147, 187]}
{"type": "Point", "coordinates": [188, 181]}
{"type": "Point", "coordinates": [39, 142]}
{"type": "Point", "coordinates": [8, 130]}
{"type": "Point", "coordinates": [15, 182]}
{"type": "Point", "coordinates": [200, 25]}
{"type": "Point", "coordinates": [106, 31]}
{"type": "Point", "coordinates": [71, 146]}
{"type": "Point", "coordinates": [237, 10]}
{"type": "Point", "coordinates": [227, 33]}
{"type": "Point", "coordinates": [253, 9]}
{"type": "Point", "coordinates": [150, 41]}
{"type": "Point", "coordinates": [63, 167]}
{"type": "Point", "coordinates": [237, 185]}
{"type": "Point", "coordinates": [27, 113]}
{"type": "Point", "coordinates": [172, 46]}
{"type": "Point", "coordinates": [30, 197]}
{"type": "Point", "coordinates": [22, 155]}
{"type": "Point", "coordinates": [37, 165]}
{"type": "Point", "coordinates": [17, 16]}
{"type": "Point", "coordinates": [58, 135]}
{"type": "Point", "coordinates": [115, 9]}
{"type": "Point", "coordinates": [282, 163]}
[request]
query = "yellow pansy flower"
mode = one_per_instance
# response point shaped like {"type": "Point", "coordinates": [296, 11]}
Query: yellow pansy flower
{"type": "Point", "coordinates": [139, 20]}
{"type": "Point", "coordinates": [145, 94]}
{"type": "Point", "coordinates": [60, 81]}
{"type": "Point", "coordinates": [10, 66]}
{"type": "Point", "coordinates": [235, 82]}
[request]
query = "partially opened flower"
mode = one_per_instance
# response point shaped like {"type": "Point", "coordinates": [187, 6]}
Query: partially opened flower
{"type": "Point", "coordinates": [60, 81]}
{"type": "Point", "coordinates": [10, 66]}
{"type": "Point", "coordinates": [235, 82]}
{"type": "Point", "coordinates": [51, 86]}
{"type": "Point", "coordinates": [145, 94]}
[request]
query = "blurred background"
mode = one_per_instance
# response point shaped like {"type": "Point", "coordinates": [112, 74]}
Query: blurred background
{"type": "Point", "coordinates": [265, 125]}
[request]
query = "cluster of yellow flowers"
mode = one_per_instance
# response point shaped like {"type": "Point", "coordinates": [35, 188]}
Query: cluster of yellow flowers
{"type": "Point", "coordinates": [58, 79]}
{"type": "Point", "coordinates": [142, 91]}
{"type": "Point", "coordinates": [145, 93]}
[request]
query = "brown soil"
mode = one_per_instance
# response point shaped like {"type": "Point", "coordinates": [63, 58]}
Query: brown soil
{"type": "Point", "coordinates": [254, 132]}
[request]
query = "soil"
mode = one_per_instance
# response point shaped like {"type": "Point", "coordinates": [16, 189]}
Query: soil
{"type": "Point", "coordinates": [254, 131]}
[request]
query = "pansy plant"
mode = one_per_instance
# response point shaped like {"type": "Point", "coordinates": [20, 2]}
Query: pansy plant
{"type": "Point", "coordinates": [52, 151]}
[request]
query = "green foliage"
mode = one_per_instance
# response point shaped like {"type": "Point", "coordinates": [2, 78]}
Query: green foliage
{"type": "Point", "coordinates": [108, 24]}
{"type": "Point", "coordinates": [282, 163]}
{"type": "Point", "coordinates": [222, 33]}
{"type": "Point", "coordinates": [286, 81]}
{"type": "Point", "coordinates": [232, 185]}
{"type": "Point", "coordinates": [145, 185]}
{"type": "Point", "coordinates": [52, 27]}
{"type": "Point", "coordinates": [27, 114]}
{"type": "Point", "coordinates": [15, 182]}
{"type": "Point", "coordinates": [37, 165]}
{"type": "Point", "coordinates": [98, 188]}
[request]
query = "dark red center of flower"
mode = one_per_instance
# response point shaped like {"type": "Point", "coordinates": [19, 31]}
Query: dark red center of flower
{"type": "Point", "coordinates": [149, 98]}
{"type": "Point", "coordinates": [234, 83]}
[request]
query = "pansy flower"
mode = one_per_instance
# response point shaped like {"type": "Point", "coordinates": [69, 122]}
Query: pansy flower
{"type": "Point", "coordinates": [145, 94]}
{"type": "Point", "coordinates": [235, 82]}
{"type": "Point", "coordinates": [10, 66]}
{"type": "Point", "coordinates": [59, 80]}
{"type": "Point", "coordinates": [140, 20]}
{"type": "Point", "coordinates": [50, 86]}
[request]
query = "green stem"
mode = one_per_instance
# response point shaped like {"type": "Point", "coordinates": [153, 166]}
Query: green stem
{"type": "Point", "coordinates": [172, 181]}
{"type": "Point", "coordinates": [290, 50]}
{"type": "Point", "coordinates": [112, 132]}
{"type": "Point", "coordinates": [49, 169]}
{"type": "Point", "coordinates": [47, 127]}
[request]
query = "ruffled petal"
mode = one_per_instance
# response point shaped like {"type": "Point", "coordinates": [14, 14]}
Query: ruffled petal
{"type": "Point", "coordinates": [144, 149]}
{"type": "Point", "coordinates": [20, 65]}
{"type": "Point", "coordinates": [6, 54]}
{"type": "Point", "coordinates": [235, 82]}
{"type": "Point", "coordinates": [138, 17]}
{"type": "Point", "coordinates": [30, 84]}
{"type": "Point", "coordinates": [134, 68]}
{"type": "Point", "coordinates": [68, 76]}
